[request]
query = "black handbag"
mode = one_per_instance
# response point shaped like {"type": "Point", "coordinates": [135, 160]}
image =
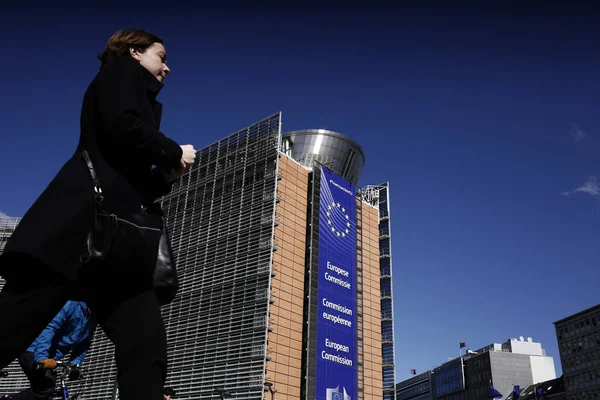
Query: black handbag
{"type": "Point", "coordinates": [135, 246]}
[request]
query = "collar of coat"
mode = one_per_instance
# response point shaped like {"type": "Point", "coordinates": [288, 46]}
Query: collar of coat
{"type": "Point", "coordinates": [153, 85]}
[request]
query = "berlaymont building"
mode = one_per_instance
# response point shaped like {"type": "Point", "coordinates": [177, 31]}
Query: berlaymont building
{"type": "Point", "coordinates": [285, 268]}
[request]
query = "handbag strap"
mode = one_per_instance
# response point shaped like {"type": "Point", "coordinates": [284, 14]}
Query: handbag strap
{"type": "Point", "coordinates": [97, 188]}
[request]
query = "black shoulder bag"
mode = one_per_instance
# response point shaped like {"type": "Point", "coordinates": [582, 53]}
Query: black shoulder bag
{"type": "Point", "coordinates": [135, 246]}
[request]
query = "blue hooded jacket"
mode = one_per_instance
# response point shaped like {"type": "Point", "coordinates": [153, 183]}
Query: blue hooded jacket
{"type": "Point", "coordinates": [71, 330]}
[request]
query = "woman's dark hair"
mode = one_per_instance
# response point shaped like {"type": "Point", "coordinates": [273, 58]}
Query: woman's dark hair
{"type": "Point", "coordinates": [168, 391]}
{"type": "Point", "coordinates": [120, 43]}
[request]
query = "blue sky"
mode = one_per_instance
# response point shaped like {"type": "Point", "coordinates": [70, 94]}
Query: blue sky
{"type": "Point", "coordinates": [482, 120]}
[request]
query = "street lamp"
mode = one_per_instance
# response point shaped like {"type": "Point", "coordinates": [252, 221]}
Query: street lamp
{"type": "Point", "coordinates": [269, 386]}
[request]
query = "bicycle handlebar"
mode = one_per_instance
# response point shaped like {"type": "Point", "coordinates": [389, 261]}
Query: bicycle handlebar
{"type": "Point", "coordinates": [66, 370]}
{"type": "Point", "coordinates": [59, 364]}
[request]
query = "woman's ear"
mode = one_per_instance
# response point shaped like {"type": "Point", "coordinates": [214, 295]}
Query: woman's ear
{"type": "Point", "coordinates": [135, 53]}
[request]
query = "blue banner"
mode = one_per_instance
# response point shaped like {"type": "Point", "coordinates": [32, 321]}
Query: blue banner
{"type": "Point", "coordinates": [336, 369]}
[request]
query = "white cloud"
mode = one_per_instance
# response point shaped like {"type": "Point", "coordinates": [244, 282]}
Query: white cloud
{"type": "Point", "coordinates": [577, 132]}
{"type": "Point", "coordinates": [3, 215]}
{"type": "Point", "coordinates": [591, 187]}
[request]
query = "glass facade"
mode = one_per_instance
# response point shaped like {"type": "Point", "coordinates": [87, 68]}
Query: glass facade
{"type": "Point", "coordinates": [221, 218]}
{"type": "Point", "coordinates": [448, 378]}
{"type": "Point", "coordinates": [379, 195]}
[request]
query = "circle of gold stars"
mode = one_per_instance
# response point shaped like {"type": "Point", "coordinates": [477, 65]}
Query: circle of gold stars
{"type": "Point", "coordinates": [338, 232]}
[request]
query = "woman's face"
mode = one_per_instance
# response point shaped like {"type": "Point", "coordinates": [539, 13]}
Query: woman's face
{"type": "Point", "coordinates": [154, 59]}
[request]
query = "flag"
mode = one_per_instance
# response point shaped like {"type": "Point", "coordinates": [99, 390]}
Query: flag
{"type": "Point", "coordinates": [516, 392]}
{"type": "Point", "coordinates": [463, 344]}
{"type": "Point", "coordinates": [494, 394]}
{"type": "Point", "coordinates": [413, 371]}
{"type": "Point", "coordinates": [539, 393]}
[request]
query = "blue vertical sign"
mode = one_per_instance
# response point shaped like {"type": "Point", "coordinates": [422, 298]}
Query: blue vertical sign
{"type": "Point", "coordinates": [336, 374]}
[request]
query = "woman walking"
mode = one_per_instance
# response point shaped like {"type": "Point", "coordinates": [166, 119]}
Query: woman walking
{"type": "Point", "coordinates": [136, 164]}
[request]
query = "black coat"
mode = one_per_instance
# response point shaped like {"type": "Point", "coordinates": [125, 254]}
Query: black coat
{"type": "Point", "coordinates": [120, 121]}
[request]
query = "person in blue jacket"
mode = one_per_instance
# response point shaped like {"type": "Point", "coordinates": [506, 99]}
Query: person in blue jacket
{"type": "Point", "coordinates": [71, 331]}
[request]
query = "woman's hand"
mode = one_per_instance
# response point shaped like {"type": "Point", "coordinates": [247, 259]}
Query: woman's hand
{"type": "Point", "coordinates": [188, 155]}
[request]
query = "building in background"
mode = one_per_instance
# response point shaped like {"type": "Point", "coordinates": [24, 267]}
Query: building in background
{"type": "Point", "coordinates": [468, 377]}
{"type": "Point", "coordinates": [514, 362]}
{"type": "Point", "coordinates": [7, 227]}
{"type": "Point", "coordinates": [285, 289]}
{"type": "Point", "coordinates": [16, 379]}
{"type": "Point", "coordinates": [578, 339]}
{"type": "Point", "coordinates": [418, 387]}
